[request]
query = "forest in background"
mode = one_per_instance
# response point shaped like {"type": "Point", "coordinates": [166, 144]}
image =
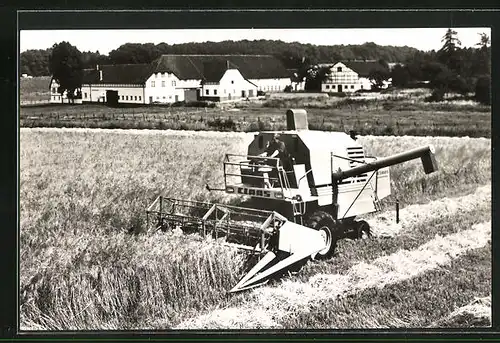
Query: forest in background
{"type": "Point", "coordinates": [293, 55]}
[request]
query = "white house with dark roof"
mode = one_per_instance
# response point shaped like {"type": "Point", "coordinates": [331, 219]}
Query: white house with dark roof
{"type": "Point", "coordinates": [350, 76]}
{"type": "Point", "coordinates": [172, 78]}
{"type": "Point", "coordinates": [224, 82]}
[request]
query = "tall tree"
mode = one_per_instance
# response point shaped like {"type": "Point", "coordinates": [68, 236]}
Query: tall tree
{"type": "Point", "coordinates": [484, 41]}
{"type": "Point", "coordinates": [400, 76]}
{"type": "Point", "coordinates": [449, 53]}
{"type": "Point", "coordinates": [484, 59]}
{"type": "Point", "coordinates": [377, 77]}
{"type": "Point", "coordinates": [66, 67]}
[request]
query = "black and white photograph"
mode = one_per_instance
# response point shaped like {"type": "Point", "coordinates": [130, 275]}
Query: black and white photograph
{"type": "Point", "coordinates": [255, 178]}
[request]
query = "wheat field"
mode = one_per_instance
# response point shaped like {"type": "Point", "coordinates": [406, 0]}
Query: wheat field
{"type": "Point", "coordinates": [81, 190]}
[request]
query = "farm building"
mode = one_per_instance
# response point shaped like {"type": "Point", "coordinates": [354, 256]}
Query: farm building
{"type": "Point", "coordinates": [56, 97]}
{"type": "Point", "coordinates": [173, 78]}
{"type": "Point", "coordinates": [350, 76]}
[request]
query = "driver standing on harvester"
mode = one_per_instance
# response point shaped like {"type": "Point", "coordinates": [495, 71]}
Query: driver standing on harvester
{"type": "Point", "coordinates": [275, 149]}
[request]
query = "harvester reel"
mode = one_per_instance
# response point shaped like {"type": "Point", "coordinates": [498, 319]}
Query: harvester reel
{"type": "Point", "coordinates": [329, 229]}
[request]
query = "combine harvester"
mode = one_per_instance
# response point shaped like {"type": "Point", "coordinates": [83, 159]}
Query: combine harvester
{"type": "Point", "coordinates": [310, 197]}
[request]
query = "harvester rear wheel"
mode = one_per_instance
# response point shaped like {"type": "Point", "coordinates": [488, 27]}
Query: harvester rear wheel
{"type": "Point", "coordinates": [329, 229]}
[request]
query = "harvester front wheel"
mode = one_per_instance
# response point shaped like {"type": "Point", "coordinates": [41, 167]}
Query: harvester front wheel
{"type": "Point", "coordinates": [329, 230]}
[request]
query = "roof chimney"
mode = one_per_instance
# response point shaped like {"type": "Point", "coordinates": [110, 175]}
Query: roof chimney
{"type": "Point", "coordinates": [97, 67]}
{"type": "Point", "coordinates": [100, 75]}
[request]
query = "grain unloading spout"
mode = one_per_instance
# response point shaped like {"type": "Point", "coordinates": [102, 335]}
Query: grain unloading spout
{"type": "Point", "coordinates": [425, 153]}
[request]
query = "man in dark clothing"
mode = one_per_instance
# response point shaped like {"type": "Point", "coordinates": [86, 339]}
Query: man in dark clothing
{"type": "Point", "coordinates": [275, 149]}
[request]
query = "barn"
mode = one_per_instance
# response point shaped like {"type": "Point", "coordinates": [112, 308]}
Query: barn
{"type": "Point", "coordinates": [174, 78]}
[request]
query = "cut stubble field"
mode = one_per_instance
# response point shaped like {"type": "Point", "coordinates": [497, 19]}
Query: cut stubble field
{"type": "Point", "coordinates": [81, 190]}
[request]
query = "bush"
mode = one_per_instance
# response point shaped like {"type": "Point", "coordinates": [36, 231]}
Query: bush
{"type": "Point", "coordinates": [338, 94]}
{"type": "Point", "coordinates": [437, 95]}
{"type": "Point", "coordinates": [483, 90]}
{"type": "Point", "coordinates": [222, 124]}
{"type": "Point", "coordinates": [459, 85]}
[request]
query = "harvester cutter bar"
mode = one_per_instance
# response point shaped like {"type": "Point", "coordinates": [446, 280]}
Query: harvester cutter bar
{"type": "Point", "coordinates": [278, 242]}
{"type": "Point", "coordinates": [246, 227]}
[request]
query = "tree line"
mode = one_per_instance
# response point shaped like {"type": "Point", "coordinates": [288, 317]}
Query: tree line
{"type": "Point", "coordinates": [293, 55]}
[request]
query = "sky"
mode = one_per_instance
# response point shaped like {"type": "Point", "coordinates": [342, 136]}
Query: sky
{"type": "Point", "coordinates": [104, 41]}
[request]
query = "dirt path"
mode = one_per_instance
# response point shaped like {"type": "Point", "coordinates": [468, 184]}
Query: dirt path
{"type": "Point", "coordinates": [269, 305]}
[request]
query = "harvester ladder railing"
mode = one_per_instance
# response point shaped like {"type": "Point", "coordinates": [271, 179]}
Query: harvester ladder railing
{"type": "Point", "coordinates": [283, 179]}
{"type": "Point", "coordinates": [376, 200]}
{"type": "Point", "coordinates": [274, 166]}
{"type": "Point", "coordinates": [298, 209]}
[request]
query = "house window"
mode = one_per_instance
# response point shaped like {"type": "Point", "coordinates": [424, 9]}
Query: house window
{"type": "Point", "coordinates": [139, 98]}
{"type": "Point", "coordinates": [135, 97]}
{"type": "Point", "coordinates": [225, 91]}
{"type": "Point", "coordinates": [339, 69]}
{"type": "Point", "coordinates": [327, 86]}
{"type": "Point", "coordinates": [173, 83]}
{"type": "Point", "coordinates": [54, 90]}
{"type": "Point", "coordinates": [170, 97]}
{"type": "Point", "coordinates": [215, 91]}
{"type": "Point", "coordinates": [232, 82]}
{"type": "Point", "coordinates": [207, 91]}
{"type": "Point", "coordinates": [85, 95]}
{"type": "Point", "coordinates": [157, 98]}
{"type": "Point", "coordinates": [164, 97]}
{"type": "Point", "coordinates": [126, 98]}
{"type": "Point", "coordinates": [352, 86]}
{"type": "Point", "coordinates": [163, 83]}
{"type": "Point", "coordinates": [152, 83]}
{"type": "Point", "coordinates": [361, 86]}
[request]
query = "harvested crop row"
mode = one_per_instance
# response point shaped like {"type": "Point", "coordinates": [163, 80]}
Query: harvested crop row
{"type": "Point", "coordinates": [384, 224]}
{"type": "Point", "coordinates": [268, 306]}
{"type": "Point", "coordinates": [475, 314]}
{"type": "Point", "coordinates": [429, 299]}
